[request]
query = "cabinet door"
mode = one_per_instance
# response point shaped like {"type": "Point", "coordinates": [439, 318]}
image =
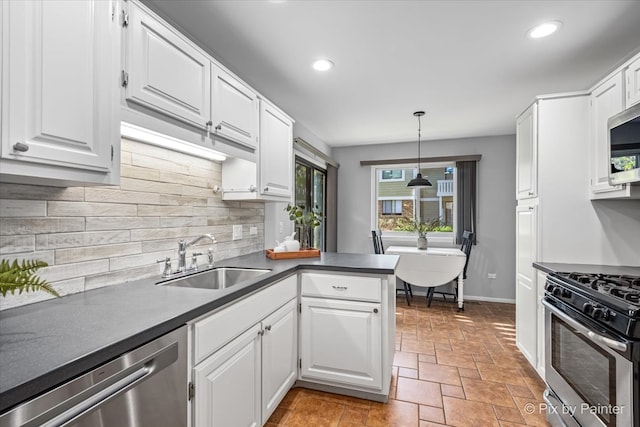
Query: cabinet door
{"type": "Point", "coordinates": [234, 109]}
{"type": "Point", "coordinates": [227, 384]}
{"type": "Point", "coordinates": [279, 356]}
{"type": "Point", "coordinates": [632, 74]}
{"type": "Point", "coordinates": [527, 154]}
{"type": "Point", "coordinates": [526, 292]}
{"type": "Point", "coordinates": [341, 342]}
{"type": "Point", "coordinates": [166, 73]}
{"type": "Point", "coordinates": [60, 86]}
{"type": "Point", "coordinates": [606, 100]}
{"type": "Point", "coordinates": [276, 152]}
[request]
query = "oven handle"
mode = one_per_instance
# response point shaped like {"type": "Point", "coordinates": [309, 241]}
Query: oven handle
{"type": "Point", "coordinates": [616, 345]}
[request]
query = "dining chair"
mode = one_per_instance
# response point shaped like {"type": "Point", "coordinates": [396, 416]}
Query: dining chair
{"type": "Point", "coordinates": [467, 243]}
{"type": "Point", "coordinates": [378, 248]}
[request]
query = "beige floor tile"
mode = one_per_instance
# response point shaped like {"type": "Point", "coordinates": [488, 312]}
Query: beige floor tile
{"type": "Point", "coordinates": [416, 391]}
{"type": "Point", "coordinates": [393, 413]}
{"type": "Point", "coordinates": [466, 413]}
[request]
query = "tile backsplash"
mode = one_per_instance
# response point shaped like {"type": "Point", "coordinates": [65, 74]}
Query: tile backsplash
{"type": "Point", "coordinates": [100, 236]}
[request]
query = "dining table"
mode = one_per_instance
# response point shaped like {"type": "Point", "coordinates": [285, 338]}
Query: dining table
{"type": "Point", "coordinates": [437, 268]}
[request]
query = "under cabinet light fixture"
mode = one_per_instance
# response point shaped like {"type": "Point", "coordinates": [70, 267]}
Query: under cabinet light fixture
{"type": "Point", "coordinates": [544, 30]}
{"type": "Point", "coordinates": [137, 133]}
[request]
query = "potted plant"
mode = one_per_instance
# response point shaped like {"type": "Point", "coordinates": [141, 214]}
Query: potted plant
{"type": "Point", "coordinates": [421, 227]}
{"type": "Point", "coordinates": [304, 220]}
{"type": "Point", "coordinates": [21, 277]}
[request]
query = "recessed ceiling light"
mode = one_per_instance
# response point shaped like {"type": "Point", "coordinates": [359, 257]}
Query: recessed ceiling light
{"type": "Point", "coordinates": [544, 30]}
{"type": "Point", "coordinates": [322, 65]}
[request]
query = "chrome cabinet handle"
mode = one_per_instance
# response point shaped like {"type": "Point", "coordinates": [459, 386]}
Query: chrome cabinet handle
{"type": "Point", "coordinates": [20, 146]}
{"type": "Point", "coordinates": [375, 310]}
{"type": "Point", "coordinates": [267, 328]}
{"type": "Point", "coordinates": [340, 288]}
{"type": "Point", "coordinates": [531, 193]}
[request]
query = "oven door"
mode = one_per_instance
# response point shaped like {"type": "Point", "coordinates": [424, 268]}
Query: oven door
{"type": "Point", "coordinates": [583, 368]}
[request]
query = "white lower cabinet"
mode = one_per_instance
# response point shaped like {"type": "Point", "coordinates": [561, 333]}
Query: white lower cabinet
{"type": "Point", "coordinates": [242, 381]}
{"type": "Point", "coordinates": [542, 279]}
{"type": "Point", "coordinates": [341, 342]}
{"type": "Point", "coordinates": [227, 384]}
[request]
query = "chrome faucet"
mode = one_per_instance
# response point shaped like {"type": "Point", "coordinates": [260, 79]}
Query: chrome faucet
{"type": "Point", "coordinates": [182, 250]}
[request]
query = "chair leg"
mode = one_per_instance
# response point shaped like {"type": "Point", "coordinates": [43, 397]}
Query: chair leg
{"type": "Point", "coordinates": [410, 290]}
{"type": "Point", "coordinates": [430, 296]}
{"type": "Point", "coordinates": [406, 292]}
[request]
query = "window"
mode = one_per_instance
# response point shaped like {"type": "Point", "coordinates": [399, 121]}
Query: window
{"type": "Point", "coordinates": [395, 204]}
{"type": "Point", "coordinates": [391, 207]}
{"type": "Point", "coordinates": [390, 175]}
{"type": "Point", "coordinates": [310, 191]}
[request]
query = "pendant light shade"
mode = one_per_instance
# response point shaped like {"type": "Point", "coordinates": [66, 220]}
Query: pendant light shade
{"type": "Point", "coordinates": [419, 181]}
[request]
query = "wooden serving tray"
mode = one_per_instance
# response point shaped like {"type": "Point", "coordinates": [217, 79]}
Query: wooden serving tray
{"type": "Point", "coordinates": [305, 253]}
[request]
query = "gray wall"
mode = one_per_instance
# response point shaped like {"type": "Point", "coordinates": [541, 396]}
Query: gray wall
{"type": "Point", "coordinates": [495, 251]}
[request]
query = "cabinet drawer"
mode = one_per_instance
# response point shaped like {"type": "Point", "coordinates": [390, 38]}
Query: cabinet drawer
{"type": "Point", "coordinates": [221, 327]}
{"type": "Point", "coordinates": [341, 287]}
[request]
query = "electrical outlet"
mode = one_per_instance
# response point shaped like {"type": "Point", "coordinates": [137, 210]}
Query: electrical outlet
{"type": "Point", "coordinates": [491, 275]}
{"type": "Point", "coordinates": [237, 232]}
{"type": "Point", "coordinates": [253, 231]}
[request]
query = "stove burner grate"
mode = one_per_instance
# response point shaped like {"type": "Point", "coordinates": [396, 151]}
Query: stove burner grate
{"type": "Point", "coordinates": [624, 287]}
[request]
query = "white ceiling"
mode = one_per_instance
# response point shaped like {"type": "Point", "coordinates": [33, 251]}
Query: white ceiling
{"type": "Point", "coordinates": [467, 63]}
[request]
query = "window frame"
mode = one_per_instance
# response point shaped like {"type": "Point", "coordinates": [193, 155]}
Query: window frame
{"type": "Point", "coordinates": [445, 238]}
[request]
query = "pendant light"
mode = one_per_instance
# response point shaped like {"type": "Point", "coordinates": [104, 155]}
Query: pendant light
{"type": "Point", "coordinates": [419, 181]}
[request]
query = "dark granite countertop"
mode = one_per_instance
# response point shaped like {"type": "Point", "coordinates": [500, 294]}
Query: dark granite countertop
{"type": "Point", "coordinates": [45, 344]}
{"type": "Point", "coordinates": [553, 267]}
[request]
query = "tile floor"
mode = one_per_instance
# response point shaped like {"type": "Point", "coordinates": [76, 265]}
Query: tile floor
{"type": "Point", "coordinates": [450, 368]}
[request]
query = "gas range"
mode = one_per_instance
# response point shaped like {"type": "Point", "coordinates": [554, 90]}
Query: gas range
{"type": "Point", "coordinates": [610, 300]}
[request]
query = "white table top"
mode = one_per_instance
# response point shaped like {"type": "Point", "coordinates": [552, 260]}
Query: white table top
{"type": "Point", "coordinates": [398, 250]}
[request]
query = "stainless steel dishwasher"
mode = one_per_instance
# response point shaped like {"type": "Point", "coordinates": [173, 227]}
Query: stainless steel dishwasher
{"type": "Point", "coordinates": [146, 387]}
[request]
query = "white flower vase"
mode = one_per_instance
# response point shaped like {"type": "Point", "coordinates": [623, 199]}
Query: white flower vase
{"type": "Point", "coordinates": [422, 242]}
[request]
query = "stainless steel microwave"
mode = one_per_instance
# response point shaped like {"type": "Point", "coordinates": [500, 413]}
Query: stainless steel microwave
{"type": "Point", "coordinates": [624, 146]}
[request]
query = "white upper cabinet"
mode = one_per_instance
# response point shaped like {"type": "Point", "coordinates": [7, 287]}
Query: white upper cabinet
{"type": "Point", "coordinates": [632, 74]}
{"type": "Point", "coordinates": [606, 100]}
{"type": "Point", "coordinates": [234, 109]}
{"type": "Point", "coordinates": [60, 106]}
{"type": "Point", "coordinates": [527, 154]}
{"type": "Point", "coordinates": [165, 72]}
{"type": "Point", "coordinates": [276, 152]}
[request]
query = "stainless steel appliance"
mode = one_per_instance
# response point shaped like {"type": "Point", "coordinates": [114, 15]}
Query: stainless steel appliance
{"type": "Point", "coordinates": [624, 146]}
{"type": "Point", "coordinates": [592, 335]}
{"type": "Point", "coordinates": [146, 387]}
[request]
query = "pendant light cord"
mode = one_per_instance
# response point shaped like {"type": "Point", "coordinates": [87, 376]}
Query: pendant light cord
{"type": "Point", "coordinates": [419, 129]}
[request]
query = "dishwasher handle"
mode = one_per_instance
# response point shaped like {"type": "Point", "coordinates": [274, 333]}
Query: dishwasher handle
{"type": "Point", "coordinates": [97, 399]}
{"type": "Point", "coordinates": [142, 370]}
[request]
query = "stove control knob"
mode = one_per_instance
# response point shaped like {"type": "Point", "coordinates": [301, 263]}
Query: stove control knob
{"type": "Point", "coordinates": [557, 291]}
{"type": "Point", "coordinates": [549, 288]}
{"type": "Point", "coordinates": [601, 313]}
{"type": "Point", "coordinates": [566, 293]}
{"type": "Point", "coordinates": [587, 308]}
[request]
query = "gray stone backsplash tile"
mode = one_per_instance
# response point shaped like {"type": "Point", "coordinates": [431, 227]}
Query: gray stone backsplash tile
{"type": "Point", "coordinates": [100, 236]}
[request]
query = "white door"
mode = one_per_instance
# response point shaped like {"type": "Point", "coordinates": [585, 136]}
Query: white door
{"type": "Point", "coordinates": [632, 74]}
{"type": "Point", "coordinates": [234, 109]}
{"type": "Point", "coordinates": [527, 154]}
{"type": "Point", "coordinates": [541, 281]}
{"type": "Point", "coordinates": [276, 152]}
{"type": "Point", "coordinates": [341, 342]}
{"type": "Point", "coordinates": [526, 292]}
{"type": "Point", "coordinates": [606, 100]}
{"type": "Point", "coordinates": [166, 72]}
{"type": "Point", "coordinates": [279, 356]}
{"type": "Point", "coordinates": [60, 84]}
{"type": "Point", "coordinates": [227, 384]}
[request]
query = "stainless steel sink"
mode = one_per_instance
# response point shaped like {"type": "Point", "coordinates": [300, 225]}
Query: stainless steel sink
{"type": "Point", "coordinates": [217, 278]}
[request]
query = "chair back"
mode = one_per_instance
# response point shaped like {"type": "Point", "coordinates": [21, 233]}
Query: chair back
{"type": "Point", "coordinates": [427, 270]}
{"type": "Point", "coordinates": [376, 236]}
{"type": "Point", "coordinates": [467, 243]}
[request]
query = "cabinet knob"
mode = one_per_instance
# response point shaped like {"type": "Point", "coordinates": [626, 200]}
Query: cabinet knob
{"type": "Point", "coordinates": [219, 127]}
{"type": "Point", "coordinates": [531, 193]}
{"type": "Point", "coordinates": [209, 123]}
{"type": "Point", "coordinates": [20, 146]}
{"type": "Point", "coordinates": [266, 189]}
{"type": "Point", "coordinates": [252, 188]}
{"type": "Point", "coordinates": [267, 328]}
{"type": "Point", "coordinates": [375, 310]}
{"type": "Point", "coordinates": [261, 332]}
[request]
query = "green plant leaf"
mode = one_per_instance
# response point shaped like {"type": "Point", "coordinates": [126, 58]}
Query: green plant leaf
{"type": "Point", "coordinates": [21, 277]}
